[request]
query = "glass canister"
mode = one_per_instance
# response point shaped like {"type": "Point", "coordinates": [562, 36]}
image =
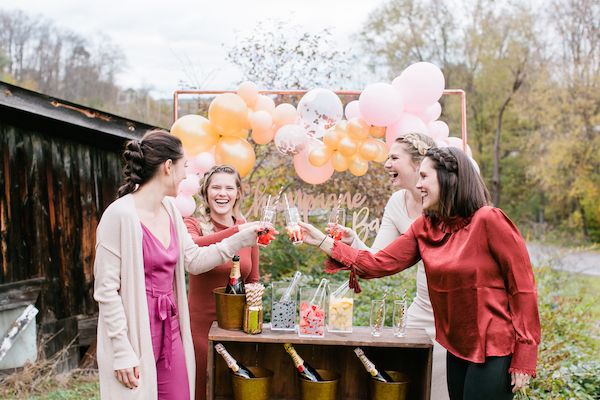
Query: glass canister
{"type": "Point", "coordinates": [340, 309]}
{"type": "Point", "coordinates": [253, 319]}
{"type": "Point", "coordinates": [312, 310]}
{"type": "Point", "coordinates": [253, 310]}
{"type": "Point", "coordinates": [284, 306]}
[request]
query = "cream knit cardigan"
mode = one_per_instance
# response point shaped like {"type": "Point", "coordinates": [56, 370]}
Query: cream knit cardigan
{"type": "Point", "coordinates": [124, 339]}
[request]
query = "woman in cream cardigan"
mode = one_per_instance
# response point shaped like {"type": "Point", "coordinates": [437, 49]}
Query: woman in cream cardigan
{"type": "Point", "coordinates": [143, 249]}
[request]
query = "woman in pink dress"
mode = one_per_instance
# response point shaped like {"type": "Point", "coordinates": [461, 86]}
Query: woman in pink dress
{"type": "Point", "coordinates": [145, 348]}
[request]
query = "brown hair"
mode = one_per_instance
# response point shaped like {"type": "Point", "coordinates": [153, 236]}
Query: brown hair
{"type": "Point", "coordinates": [203, 214]}
{"type": "Point", "coordinates": [418, 144]}
{"type": "Point", "coordinates": [143, 157]}
{"type": "Point", "coordinates": [462, 191]}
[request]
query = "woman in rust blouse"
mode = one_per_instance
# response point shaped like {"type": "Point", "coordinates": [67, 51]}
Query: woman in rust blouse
{"type": "Point", "coordinates": [480, 278]}
{"type": "Point", "coordinates": [219, 218]}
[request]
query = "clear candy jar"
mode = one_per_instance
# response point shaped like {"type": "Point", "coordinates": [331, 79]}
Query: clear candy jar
{"type": "Point", "coordinates": [340, 312]}
{"type": "Point", "coordinates": [283, 309]}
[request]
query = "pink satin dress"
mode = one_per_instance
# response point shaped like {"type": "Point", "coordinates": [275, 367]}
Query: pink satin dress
{"type": "Point", "coordinates": [159, 269]}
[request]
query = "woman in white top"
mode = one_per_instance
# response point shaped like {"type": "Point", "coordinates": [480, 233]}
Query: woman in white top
{"type": "Point", "coordinates": [403, 207]}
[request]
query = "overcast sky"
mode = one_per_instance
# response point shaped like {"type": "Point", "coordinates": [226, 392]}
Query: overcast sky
{"type": "Point", "coordinates": [162, 40]}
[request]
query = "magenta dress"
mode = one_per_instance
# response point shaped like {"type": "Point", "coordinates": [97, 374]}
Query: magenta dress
{"type": "Point", "coordinates": [159, 269]}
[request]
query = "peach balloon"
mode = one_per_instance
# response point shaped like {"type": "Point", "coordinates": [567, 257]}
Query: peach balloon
{"type": "Point", "coordinates": [228, 113]}
{"type": "Point", "coordinates": [260, 120]}
{"type": "Point", "coordinates": [319, 155]}
{"type": "Point", "coordinates": [347, 146]}
{"type": "Point", "coordinates": [284, 114]}
{"type": "Point", "coordinates": [185, 204]}
{"type": "Point", "coordinates": [358, 166]}
{"type": "Point", "coordinates": [264, 103]}
{"type": "Point", "coordinates": [369, 149]}
{"type": "Point", "coordinates": [382, 154]}
{"type": "Point", "coordinates": [237, 153]}
{"type": "Point", "coordinates": [196, 133]}
{"type": "Point", "coordinates": [339, 161]}
{"type": "Point", "coordinates": [358, 129]}
{"type": "Point", "coordinates": [248, 91]}
{"type": "Point", "coordinates": [377, 131]}
{"type": "Point", "coordinates": [307, 172]}
{"type": "Point", "coordinates": [263, 136]}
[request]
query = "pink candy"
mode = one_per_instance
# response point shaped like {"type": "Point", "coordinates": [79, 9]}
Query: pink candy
{"type": "Point", "coordinates": [312, 320]}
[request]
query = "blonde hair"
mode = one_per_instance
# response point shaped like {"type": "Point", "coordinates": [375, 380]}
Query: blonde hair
{"type": "Point", "coordinates": [418, 144]}
{"type": "Point", "coordinates": [203, 213]}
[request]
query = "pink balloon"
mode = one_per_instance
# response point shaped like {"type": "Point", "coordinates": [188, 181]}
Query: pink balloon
{"type": "Point", "coordinates": [260, 120]}
{"type": "Point", "coordinates": [306, 171]}
{"type": "Point", "coordinates": [201, 163]}
{"type": "Point", "coordinates": [431, 113]}
{"type": "Point", "coordinates": [380, 104]}
{"type": "Point", "coordinates": [458, 143]}
{"type": "Point", "coordinates": [185, 204]}
{"type": "Point", "coordinates": [189, 186]}
{"type": "Point", "coordinates": [352, 110]}
{"type": "Point", "coordinates": [409, 123]}
{"type": "Point", "coordinates": [438, 129]}
{"type": "Point", "coordinates": [420, 85]}
{"type": "Point", "coordinates": [440, 143]}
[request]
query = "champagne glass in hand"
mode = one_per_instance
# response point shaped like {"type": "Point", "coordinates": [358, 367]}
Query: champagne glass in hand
{"type": "Point", "coordinates": [337, 219]}
{"type": "Point", "coordinates": [265, 234]}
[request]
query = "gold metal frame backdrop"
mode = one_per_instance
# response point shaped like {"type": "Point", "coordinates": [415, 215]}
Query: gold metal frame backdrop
{"type": "Point", "coordinates": [447, 92]}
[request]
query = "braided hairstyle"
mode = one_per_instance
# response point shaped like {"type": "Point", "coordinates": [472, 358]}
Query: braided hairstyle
{"type": "Point", "coordinates": [203, 213]}
{"type": "Point", "coordinates": [462, 191]}
{"type": "Point", "coordinates": [418, 144]}
{"type": "Point", "coordinates": [143, 157]}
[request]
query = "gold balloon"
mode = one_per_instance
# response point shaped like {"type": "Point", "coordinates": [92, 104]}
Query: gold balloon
{"type": "Point", "coordinates": [229, 114]}
{"type": "Point", "coordinates": [358, 129]}
{"type": "Point", "coordinates": [235, 152]}
{"type": "Point", "coordinates": [332, 137]}
{"type": "Point", "coordinates": [377, 131]}
{"type": "Point", "coordinates": [369, 149]}
{"type": "Point", "coordinates": [319, 155]}
{"type": "Point", "coordinates": [358, 166]}
{"type": "Point", "coordinates": [196, 133]}
{"type": "Point", "coordinates": [240, 133]}
{"type": "Point", "coordinates": [347, 146]}
{"type": "Point", "coordinates": [382, 154]}
{"type": "Point", "coordinates": [339, 161]}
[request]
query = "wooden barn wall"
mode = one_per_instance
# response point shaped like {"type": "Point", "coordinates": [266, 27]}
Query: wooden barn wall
{"type": "Point", "coordinates": [55, 187]}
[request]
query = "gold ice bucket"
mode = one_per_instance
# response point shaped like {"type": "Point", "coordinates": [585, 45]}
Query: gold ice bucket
{"type": "Point", "coordinates": [258, 388]}
{"type": "Point", "coordinates": [230, 309]}
{"type": "Point", "coordinates": [323, 390]}
{"type": "Point", "coordinates": [396, 390]}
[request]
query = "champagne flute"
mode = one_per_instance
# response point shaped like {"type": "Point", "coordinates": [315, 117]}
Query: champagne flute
{"type": "Point", "coordinates": [336, 217]}
{"type": "Point", "coordinates": [267, 220]}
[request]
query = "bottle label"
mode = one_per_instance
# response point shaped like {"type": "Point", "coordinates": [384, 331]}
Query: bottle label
{"type": "Point", "coordinates": [229, 360]}
{"type": "Point", "coordinates": [369, 366]}
{"type": "Point", "coordinates": [298, 361]}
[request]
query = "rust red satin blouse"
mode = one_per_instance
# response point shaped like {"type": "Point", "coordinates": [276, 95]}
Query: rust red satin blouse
{"type": "Point", "coordinates": [480, 282]}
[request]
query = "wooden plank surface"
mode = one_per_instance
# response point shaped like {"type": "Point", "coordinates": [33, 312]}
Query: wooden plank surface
{"type": "Point", "coordinates": [361, 336]}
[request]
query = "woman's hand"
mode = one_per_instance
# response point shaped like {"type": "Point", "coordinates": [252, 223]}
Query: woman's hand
{"type": "Point", "coordinates": [312, 235]}
{"type": "Point", "coordinates": [519, 381]}
{"type": "Point", "coordinates": [348, 235]}
{"type": "Point", "coordinates": [128, 377]}
{"type": "Point", "coordinates": [249, 225]}
{"type": "Point", "coordinates": [249, 235]}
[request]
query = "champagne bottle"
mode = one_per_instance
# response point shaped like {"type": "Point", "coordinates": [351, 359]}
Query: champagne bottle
{"type": "Point", "coordinates": [237, 368]}
{"type": "Point", "coordinates": [304, 370]}
{"type": "Point", "coordinates": [381, 376]}
{"type": "Point", "coordinates": [235, 285]}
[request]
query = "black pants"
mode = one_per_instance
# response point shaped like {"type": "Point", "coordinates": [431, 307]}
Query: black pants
{"type": "Point", "coordinates": [470, 381]}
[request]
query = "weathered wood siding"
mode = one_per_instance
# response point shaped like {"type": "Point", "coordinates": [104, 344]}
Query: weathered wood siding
{"type": "Point", "coordinates": [54, 191]}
